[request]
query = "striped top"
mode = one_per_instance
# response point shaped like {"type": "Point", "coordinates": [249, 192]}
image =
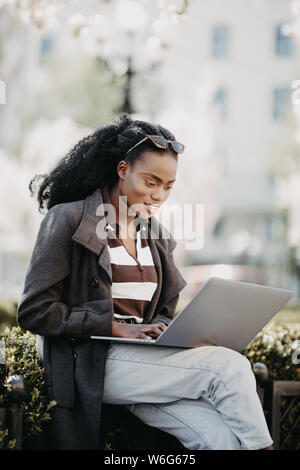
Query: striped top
{"type": "Point", "coordinates": [134, 280]}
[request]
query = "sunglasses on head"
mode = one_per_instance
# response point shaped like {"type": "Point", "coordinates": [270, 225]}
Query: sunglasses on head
{"type": "Point", "coordinates": [161, 142]}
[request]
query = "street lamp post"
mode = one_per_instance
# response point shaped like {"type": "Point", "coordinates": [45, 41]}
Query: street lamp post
{"type": "Point", "coordinates": [131, 43]}
{"type": "Point", "coordinates": [127, 106]}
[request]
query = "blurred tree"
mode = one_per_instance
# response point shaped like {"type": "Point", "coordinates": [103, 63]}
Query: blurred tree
{"type": "Point", "coordinates": [86, 91]}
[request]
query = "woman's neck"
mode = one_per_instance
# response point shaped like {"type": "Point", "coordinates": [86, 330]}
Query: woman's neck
{"type": "Point", "coordinates": [121, 208]}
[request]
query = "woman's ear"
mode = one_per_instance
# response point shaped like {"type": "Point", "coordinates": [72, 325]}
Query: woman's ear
{"type": "Point", "coordinates": [122, 169]}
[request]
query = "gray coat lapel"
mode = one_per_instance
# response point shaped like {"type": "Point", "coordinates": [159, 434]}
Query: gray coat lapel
{"type": "Point", "coordinates": [86, 233]}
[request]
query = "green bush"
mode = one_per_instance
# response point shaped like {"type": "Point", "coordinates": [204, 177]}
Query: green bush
{"type": "Point", "coordinates": [5, 442]}
{"type": "Point", "coordinates": [274, 346]}
{"type": "Point", "coordinates": [21, 358]}
{"type": "Point", "coordinates": [8, 313]}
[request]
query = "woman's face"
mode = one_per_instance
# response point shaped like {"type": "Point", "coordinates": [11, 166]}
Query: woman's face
{"type": "Point", "coordinates": [147, 182]}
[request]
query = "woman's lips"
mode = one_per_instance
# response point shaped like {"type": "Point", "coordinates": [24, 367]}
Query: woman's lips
{"type": "Point", "coordinates": [150, 208]}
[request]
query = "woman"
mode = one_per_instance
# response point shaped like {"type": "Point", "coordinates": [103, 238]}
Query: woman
{"type": "Point", "coordinates": [98, 271]}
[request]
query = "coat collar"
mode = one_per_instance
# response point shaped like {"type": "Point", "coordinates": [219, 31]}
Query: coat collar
{"type": "Point", "coordinates": [92, 234]}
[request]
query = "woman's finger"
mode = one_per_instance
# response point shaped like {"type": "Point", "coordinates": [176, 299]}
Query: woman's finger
{"type": "Point", "coordinates": [142, 336]}
{"type": "Point", "coordinates": [153, 329]}
{"type": "Point", "coordinates": [161, 326]}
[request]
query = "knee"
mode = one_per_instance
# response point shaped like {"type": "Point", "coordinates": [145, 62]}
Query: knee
{"type": "Point", "coordinates": [225, 361]}
{"type": "Point", "coordinates": [238, 371]}
{"type": "Point", "coordinates": [234, 361]}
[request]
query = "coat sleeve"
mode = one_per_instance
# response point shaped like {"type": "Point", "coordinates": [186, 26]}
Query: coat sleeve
{"type": "Point", "coordinates": [41, 309]}
{"type": "Point", "coordinates": [166, 315]}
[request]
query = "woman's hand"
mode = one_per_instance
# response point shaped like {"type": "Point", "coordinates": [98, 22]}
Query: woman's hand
{"type": "Point", "coordinates": [140, 331]}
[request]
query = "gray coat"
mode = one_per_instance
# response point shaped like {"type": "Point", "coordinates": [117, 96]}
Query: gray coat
{"type": "Point", "coordinates": [67, 298]}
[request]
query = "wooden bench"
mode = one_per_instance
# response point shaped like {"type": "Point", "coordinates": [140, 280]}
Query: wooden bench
{"type": "Point", "coordinates": [132, 433]}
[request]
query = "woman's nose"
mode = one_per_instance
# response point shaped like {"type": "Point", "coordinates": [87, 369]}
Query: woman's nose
{"type": "Point", "coordinates": [158, 196]}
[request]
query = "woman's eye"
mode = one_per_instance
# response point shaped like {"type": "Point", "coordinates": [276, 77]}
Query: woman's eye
{"type": "Point", "coordinates": [149, 183]}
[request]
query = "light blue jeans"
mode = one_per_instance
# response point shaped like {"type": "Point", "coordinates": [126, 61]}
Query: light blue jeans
{"type": "Point", "coordinates": [206, 397]}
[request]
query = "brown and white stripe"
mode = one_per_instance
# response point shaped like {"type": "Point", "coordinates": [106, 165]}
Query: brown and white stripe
{"type": "Point", "coordinates": [134, 280]}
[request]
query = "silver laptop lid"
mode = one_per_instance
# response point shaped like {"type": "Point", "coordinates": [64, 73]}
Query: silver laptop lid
{"type": "Point", "coordinates": [224, 312]}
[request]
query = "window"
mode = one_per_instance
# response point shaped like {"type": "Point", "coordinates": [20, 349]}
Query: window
{"type": "Point", "coordinates": [281, 102]}
{"type": "Point", "coordinates": [221, 102]}
{"type": "Point", "coordinates": [283, 43]}
{"type": "Point", "coordinates": [46, 46]}
{"type": "Point", "coordinates": [221, 41]}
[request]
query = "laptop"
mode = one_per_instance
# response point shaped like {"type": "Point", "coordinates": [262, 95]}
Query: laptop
{"type": "Point", "coordinates": [223, 312]}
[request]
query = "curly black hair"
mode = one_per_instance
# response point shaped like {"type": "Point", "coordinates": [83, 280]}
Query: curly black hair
{"type": "Point", "coordinates": [93, 161]}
